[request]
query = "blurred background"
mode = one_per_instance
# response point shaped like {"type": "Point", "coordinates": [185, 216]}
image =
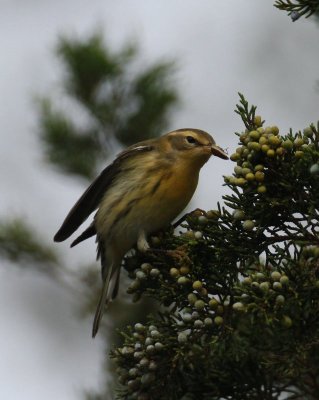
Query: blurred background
{"type": "Point", "coordinates": [81, 80]}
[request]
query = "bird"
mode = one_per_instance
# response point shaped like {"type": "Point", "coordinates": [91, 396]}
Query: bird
{"type": "Point", "coordinates": [141, 192]}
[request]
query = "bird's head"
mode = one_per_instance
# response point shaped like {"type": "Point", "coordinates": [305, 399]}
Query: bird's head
{"type": "Point", "coordinates": [193, 144]}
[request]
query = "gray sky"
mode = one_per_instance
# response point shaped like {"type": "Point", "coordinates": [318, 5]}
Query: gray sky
{"type": "Point", "coordinates": [221, 47]}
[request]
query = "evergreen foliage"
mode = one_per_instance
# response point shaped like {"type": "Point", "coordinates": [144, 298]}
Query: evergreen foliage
{"type": "Point", "coordinates": [239, 285]}
{"type": "Point", "coordinates": [19, 244]}
{"type": "Point", "coordinates": [122, 104]}
{"type": "Point", "coordinates": [298, 8]}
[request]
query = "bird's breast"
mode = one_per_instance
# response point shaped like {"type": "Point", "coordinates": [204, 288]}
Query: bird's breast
{"type": "Point", "coordinates": [177, 187]}
{"type": "Point", "coordinates": [147, 199]}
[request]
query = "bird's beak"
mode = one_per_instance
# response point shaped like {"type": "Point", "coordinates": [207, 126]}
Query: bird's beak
{"type": "Point", "coordinates": [218, 152]}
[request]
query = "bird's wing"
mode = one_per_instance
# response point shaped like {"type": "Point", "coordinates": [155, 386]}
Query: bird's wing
{"type": "Point", "coordinates": [91, 198]}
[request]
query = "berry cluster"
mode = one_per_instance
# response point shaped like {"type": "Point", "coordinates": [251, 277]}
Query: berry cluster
{"type": "Point", "coordinates": [138, 361]}
{"type": "Point", "coordinates": [266, 290]}
{"type": "Point", "coordinates": [259, 150]}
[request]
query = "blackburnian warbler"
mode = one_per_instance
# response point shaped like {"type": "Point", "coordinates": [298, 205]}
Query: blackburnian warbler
{"type": "Point", "coordinates": [141, 192]}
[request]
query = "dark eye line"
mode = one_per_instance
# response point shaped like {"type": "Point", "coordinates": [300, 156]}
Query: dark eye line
{"type": "Point", "coordinates": [191, 139]}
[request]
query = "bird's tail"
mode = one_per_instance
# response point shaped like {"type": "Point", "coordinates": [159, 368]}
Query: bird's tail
{"type": "Point", "coordinates": [109, 292]}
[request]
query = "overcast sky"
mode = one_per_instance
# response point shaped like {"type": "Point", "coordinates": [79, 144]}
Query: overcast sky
{"type": "Point", "coordinates": [221, 48]}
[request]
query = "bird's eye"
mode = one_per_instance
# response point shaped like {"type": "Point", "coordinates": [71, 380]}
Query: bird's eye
{"type": "Point", "coordinates": [191, 140]}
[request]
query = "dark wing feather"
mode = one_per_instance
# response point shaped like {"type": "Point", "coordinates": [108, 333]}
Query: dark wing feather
{"type": "Point", "coordinates": [89, 232]}
{"type": "Point", "coordinates": [91, 198]}
{"type": "Point", "coordinates": [86, 204]}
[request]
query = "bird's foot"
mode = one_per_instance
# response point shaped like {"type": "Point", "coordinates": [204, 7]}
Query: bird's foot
{"type": "Point", "coordinates": [179, 255]}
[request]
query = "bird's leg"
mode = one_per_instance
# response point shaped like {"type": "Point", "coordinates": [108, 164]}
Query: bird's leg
{"type": "Point", "coordinates": [142, 243]}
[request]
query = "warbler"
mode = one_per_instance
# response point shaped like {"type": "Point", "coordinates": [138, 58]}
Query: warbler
{"type": "Point", "coordinates": [141, 192]}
